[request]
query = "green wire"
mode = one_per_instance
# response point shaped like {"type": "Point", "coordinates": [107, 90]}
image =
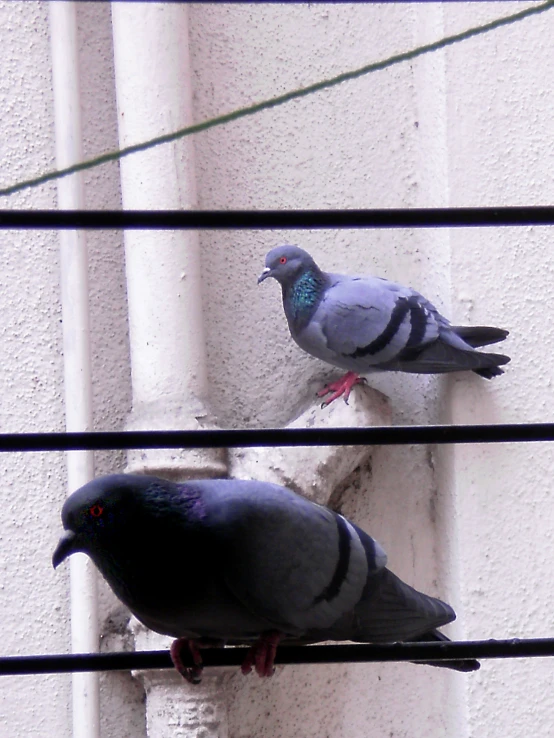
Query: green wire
{"type": "Point", "coordinates": [279, 100]}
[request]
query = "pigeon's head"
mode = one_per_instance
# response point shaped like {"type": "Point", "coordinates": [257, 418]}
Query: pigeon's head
{"type": "Point", "coordinates": [286, 264]}
{"type": "Point", "coordinates": [100, 513]}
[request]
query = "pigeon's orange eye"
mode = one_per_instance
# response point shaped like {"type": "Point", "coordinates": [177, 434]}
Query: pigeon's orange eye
{"type": "Point", "coordinates": [96, 511]}
{"type": "Point", "coordinates": [283, 260]}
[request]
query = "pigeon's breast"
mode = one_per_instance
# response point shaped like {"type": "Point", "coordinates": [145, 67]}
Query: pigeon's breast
{"type": "Point", "coordinates": [210, 611]}
{"type": "Point", "coordinates": [180, 597]}
{"type": "Point", "coordinates": [312, 340]}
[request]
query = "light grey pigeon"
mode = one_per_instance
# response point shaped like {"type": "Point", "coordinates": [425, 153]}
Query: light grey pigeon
{"type": "Point", "coordinates": [367, 324]}
{"type": "Point", "coordinates": [233, 561]}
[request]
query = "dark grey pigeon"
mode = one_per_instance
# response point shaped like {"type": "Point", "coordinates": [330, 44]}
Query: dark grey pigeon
{"type": "Point", "coordinates": [233, 561]}
{"type": "Point", "coordinates": [368, 324]}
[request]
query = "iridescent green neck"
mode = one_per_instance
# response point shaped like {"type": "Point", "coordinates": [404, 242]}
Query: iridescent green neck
{"type": "Point", "coordinates": [302, 297]}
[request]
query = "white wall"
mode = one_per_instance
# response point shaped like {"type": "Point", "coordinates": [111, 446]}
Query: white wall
{"type": "Point", "coordinates": [34, 603]}
{"type": "Point", "coordinates": [31, 600]}
{"type": "Point", "coordinates": [500, 125]}
{"type": "Point", "coordinates": [469, 126]}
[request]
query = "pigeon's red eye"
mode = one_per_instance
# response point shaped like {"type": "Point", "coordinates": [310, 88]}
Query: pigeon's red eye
{"type": "Point", "coordinates": [96, 511]}
{"type": "Point", "coordinates": [283, 260]}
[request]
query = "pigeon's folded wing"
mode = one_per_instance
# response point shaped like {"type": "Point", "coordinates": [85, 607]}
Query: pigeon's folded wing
{"type": "Point", "coordinates": [372, 321]}
{"type": "Point", "coordinates": [295, 563]}
{"type": "Point", "coordinates": [389, 611]}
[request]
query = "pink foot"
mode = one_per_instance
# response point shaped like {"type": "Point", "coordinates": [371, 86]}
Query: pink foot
{"type": "Point", "coordinates": [342, 386]}
{"type": "Point", "coordinates": [262, 654]}
{"type": "Point", "coordinates": [192, 674]}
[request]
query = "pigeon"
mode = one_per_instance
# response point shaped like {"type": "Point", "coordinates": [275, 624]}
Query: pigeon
{"type": "Point", "coordinates": [368, 324]}
{"type": "Point", "coordinates": [242, 562]}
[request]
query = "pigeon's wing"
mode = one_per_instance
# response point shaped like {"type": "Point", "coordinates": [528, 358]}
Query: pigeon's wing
{"type": "Point", "coordinates": [372, 321]}
{"type": "Point", "coordinates": [390, 610]}
{"type": "Point", "coordinates": [295, 563]}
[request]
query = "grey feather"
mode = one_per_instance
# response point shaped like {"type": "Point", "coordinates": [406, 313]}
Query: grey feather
{"type": "Point", "coordinates": [232, 560]}
{"type": "Point", "coordinates": [367, 324]}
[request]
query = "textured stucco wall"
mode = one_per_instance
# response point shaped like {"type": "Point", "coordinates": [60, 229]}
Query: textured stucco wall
{"type": "Point", "coordinates": [34, 600]}
{"type": "Point", "coordinates": [468, 126]}
{"type": "Point", "coordinates": [31, 599]}
{"type": "Point", "coordinates": [500, 152]}
{"type": "Point", "coordinates": [121, 697]}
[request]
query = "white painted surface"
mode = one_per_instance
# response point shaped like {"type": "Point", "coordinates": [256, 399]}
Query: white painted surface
{"type": "Point", "coordinates": [321, 473]}
{"type": "Point", "coordinates": [469, 126]}
{"type": "Point", "coordinates": [154, 97]}
{"type": "Point", "coordinates": [499, 151]}
{"type": "Point", "coordinates": [31, 597]}
{"type": "Point", "coordinates": [166, 321]}
{"type": "Point", "coordinates": [74, 289]}
{"type": "Point", "coordinates": [34, 599]}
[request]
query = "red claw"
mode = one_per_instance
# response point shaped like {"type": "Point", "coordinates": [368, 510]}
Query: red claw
{"type": "Point", "coordinates": [192, 674]}
{"type": "Point", "coordinates": [262, 654]}
{"type": "Point", "coordinates": [342, 386]}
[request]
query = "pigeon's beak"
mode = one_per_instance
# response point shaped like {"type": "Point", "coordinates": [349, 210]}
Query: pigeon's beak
{"type": "Point", "coordinates": [264, 275]}
{"type": "Point", "coordinates": [66, 546]}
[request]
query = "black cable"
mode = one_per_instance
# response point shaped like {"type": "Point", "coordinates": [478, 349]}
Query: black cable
{"type": "Point", "coordinates": [270, 219]}
{"type": "Point", "coordinates": [357, 653]}
{"type": "Point", "coordinates": [374, 436]}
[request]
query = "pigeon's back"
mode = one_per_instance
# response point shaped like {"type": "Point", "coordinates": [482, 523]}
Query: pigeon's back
{"type": "Point", "coordinates": [229, 559]}
{"type": "Point", "coordinates": [358, 324]}
{"type": "Point", "coordinates": [365, 324]}
{"type": "Point", "coordinates": [296, 563]}
{"type": "Point", "coordinates": [311, 572]}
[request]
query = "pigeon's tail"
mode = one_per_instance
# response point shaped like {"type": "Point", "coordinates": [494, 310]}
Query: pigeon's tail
{"type": "Point", "coordinates": [492, 371]}
{"type": "Point", "coordinates": [457, 665]}
{"type": "Point", "coordinates": [399, 608]}
{"type": "Point", "coordinates": [450, 353]}
{"type": "Point", "coordinates": [490, 364]}
{"type": "Point", "coordinates": [479, 335]}
{"type": "Point", "coordinates": [476, 336]}
{"type": "Point", "coordinates": [391, 611]}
